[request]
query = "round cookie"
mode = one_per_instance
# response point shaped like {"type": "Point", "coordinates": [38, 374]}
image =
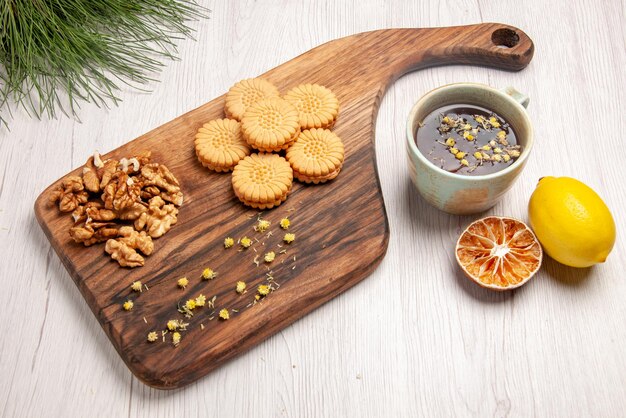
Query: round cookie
{"type": "Point", "coordinates": [316, 156]}
{"type": "Point", "coordinates": [262, 180]}
{"type": "Point", "coordinates": [318, 106]}
{"type": "Point", "coordinates": [220, 145]}
{"type": "Point", "coordinates": [270, 124]}
{"type": "Point", "coordinates": [244, 93]}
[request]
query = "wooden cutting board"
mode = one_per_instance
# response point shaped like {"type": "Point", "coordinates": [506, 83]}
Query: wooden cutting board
{"type": "Point", "coordinates": [341, 227]}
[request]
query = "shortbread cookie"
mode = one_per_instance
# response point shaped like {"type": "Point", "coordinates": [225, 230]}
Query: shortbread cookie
{"type": "Point", "coordinates": [262, 180]}
{"type": "Point", "coordinates": [317, 105]}
{"type": "Point", "coordinates": [270, 124]}
{"type": "Point", "coordinates": [220, 144]}
{"type": "Point", "coordinates": [246, 92]}
{"type": "Point", "coordinates": [316, 156]}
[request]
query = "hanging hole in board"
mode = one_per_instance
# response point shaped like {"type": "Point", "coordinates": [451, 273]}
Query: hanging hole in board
{"type": "Point", "coordinates": [504, 38]}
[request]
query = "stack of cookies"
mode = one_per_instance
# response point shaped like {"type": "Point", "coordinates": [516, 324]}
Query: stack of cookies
{"type": "Point", "coordinates": [291, 134]}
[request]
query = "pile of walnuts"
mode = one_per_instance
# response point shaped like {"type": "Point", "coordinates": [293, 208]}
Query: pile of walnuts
{"type": "Point", "coordinates": [126, 203]}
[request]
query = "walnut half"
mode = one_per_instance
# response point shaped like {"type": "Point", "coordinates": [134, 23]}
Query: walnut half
{"type": "Point", "coordinates": [70, 194]}
{"type": "Point", "coordinates": [124, 248]}
{"type": "Point", "coordinates": [158, 219]}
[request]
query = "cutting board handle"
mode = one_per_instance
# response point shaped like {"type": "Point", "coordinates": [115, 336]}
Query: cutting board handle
{"type": "Point", "coordinates": [399, 51]}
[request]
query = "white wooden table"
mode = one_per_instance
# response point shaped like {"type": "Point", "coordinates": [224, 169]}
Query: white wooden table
{"type": "Point", "coordinates": [415, 338]}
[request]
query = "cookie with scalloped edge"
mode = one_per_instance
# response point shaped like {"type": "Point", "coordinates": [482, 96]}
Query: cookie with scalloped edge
{"type": "Point", "coordinates": [246, 92]}
{"type": "Point", "coordinates": [220, 145]}
{"type": "Point", "coordinates": [270, 125]}
{"type": "Point", "coordinates": [316, 156]}
{"type": "Point", "coordinates": [262, 181]}
{"type": "Point", "coordinates": [318, 107]}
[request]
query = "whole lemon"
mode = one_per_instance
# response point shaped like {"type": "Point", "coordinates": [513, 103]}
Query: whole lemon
{"type": "Point", "coordinates": [573, 224]}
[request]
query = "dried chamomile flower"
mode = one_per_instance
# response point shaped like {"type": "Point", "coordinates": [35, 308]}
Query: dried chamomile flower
{"type": "Point", "coordinates": [183, 282]}
{"type": "Point", "coordinates": [494, 122]}
{"type": "Point", "coordinates": [501, 135]}
{"type": "Point", "coordinates": [190, 304]}
{"type": "Point", "coordinates": [128, 305]}
{"type": "Point", "coordinates": [263, 290]}
{"type": "Point", "coordinates": [478, 155]}
{"type": "Point", "coordinates": [506, 158]}
{"type": "Point", "coordinates": [453, 151]}
{"type": "Point", "coordinates": [152, 336]}
{"type": "Point", "coordinates": [208, 274]}
{"type": "Point", "coordinates": [513, 153]}
{"type": "Point", "coordinates": [486, 148]}
{"type": "Point", "coordinates": [497, 157]}
{"type": "Point", "coordinates": [493, 143]}
{"type": "Point", "coordinates": [460, 155]}
{"type": "Point", "coordinates": [465, 162]}
{"type": "Point", "coordinates": [497, 150]}
{"type": "Point", "coordinates": [228, 242]}
{"type": "Point", "coordinates": [224, 314]}
{"type": "Point", "coordinates": [172, 325]}
{"type": "Point", "coordinates": [200, 300]}
{"type": "Point", "coordinates": [468, 136]}
{"type": "Point", "coordinates": [289, 238]}
{"type": "Point", "coordinates": [269, 257]}
{"type": "Point", "coordinates": [245, 242]}
{"type": "Point", "coordinates": [284, 223]}
{"type": "Point", "coordinates": [136, 286]}
{"type": "Point", "coordinates": [450, 142]}
{"type": "Point", "coordinates": [240, 287]}
{"type": "Point", "coordinates": [262, 225]}
{"type": "Point", "coordinates": [176, 338]}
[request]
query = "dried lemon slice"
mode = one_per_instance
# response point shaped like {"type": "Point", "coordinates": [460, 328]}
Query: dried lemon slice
{"type": "Point", "coordinates": [220, 145]}
{"type": "Point", "coordinates": [316, 156]}
{"type": "Point", "coordinates": [270, 124]}
{"type": "Point", "coordinates": [318, 107]}
{"type": "Point", "coordinates": [245, 92]}
{"type": "Point", "coordinates": [262, 180]}
{"type": "Point", "coordinates": [499, 253]}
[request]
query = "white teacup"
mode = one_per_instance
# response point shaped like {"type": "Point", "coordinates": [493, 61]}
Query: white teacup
{"type": "Point", "coordinates": [456, 193]}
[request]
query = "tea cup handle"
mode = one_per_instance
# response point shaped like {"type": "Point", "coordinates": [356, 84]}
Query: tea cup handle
{"type": "Point", "coordinates": [521, 98]}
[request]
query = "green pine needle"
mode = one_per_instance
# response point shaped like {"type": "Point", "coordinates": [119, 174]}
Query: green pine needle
{"type": "Point", "coordinates": [56, 53]}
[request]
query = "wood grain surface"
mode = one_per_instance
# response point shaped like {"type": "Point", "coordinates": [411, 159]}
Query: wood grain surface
{"type": "Point", "coordinates": [341, 226]}
{"type": "Point", "coordinates": [414, 339]}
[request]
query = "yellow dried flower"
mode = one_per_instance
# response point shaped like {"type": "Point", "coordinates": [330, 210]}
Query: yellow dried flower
{"type": "Point", "coordinates": [263, 290]}
{"type": "Point", "coordinates": [514, 153]}
{"type": "Point", "coordinates": [506, 157]}
{"type": "Point", "coordinates": [460, 155]}
{"type": "Point", "coordinates": [493, 143]}
{"type": "Point", "coordinates": [262, 225]}
{"type": "Point", "coordinates": [486, 156]}
{"type": "Point", "coordinates": [497, 157]}
{"type": "Point", "coordinates": [190, 304]}
{"type": "Point", "coordinates": [176, 338]}
{"type": "Point", "coordinates": [453, 151]}
{"type": "Point", "coordinates": [494, 122]}
{"type": "Point", "coordinates": [501, 135]}
{"type": "Point", "coordinates": [183, 282]}
{"type": "Point", "coordinates": [479, 119]}
{"type": "Point", "coordinates": [289, 238]}
{"type": "Point", "coordinates": [245, 242]}
{"type": "Point", "coordinates": [172, 325]}
{"type": "Point", "coordinates": [152, 336]}
{"type": "Point", "coordinates": [468, 136]}
{"type": "Point", "coordinates": [208, 274]}
{"type": "Point", "coordinates": [486, 148]}
{"type": "Point", "coordinates": [450, 142]}
{"type": "Point", "coordinates": [269, 257]}
{"type": "Point", "coordinates": [241, 287]}
{"type": "Point", "coordinates": [464, 162]}
{"type": "Point", "coordinates": [478, 155]}
{"type": "Point", "coordinates": [446, 120]}
{"type": "Point", "coordinates": [200, 300]}
{"type": "Point", "coordinates": [224, 314]}
{"type": "Point", "coordinates": [257, 297]}
{"type": "Point", "coordinates": [128, 305]}
{"type": "Point", "coordinates": [467, 127]}
{"type": "Point", "coordinates": [284, 223]}
{"type": "Point", "coordinates": [497, 150]}
{"type": "Point", "coordinates": [228, 242]}
{"type": "Point", "coordinates": [136, 286]}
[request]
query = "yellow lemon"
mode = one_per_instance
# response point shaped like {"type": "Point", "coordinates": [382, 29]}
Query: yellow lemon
{"type": "Point", "coordinates": [573, 224]}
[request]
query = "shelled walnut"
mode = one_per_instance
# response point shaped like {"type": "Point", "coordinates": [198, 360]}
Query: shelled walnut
{"type": "Point", "coordinates": [122, 202]}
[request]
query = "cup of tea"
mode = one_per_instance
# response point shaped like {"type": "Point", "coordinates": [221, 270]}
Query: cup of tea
{"type": "Point", "coordinates": [467, 143]}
